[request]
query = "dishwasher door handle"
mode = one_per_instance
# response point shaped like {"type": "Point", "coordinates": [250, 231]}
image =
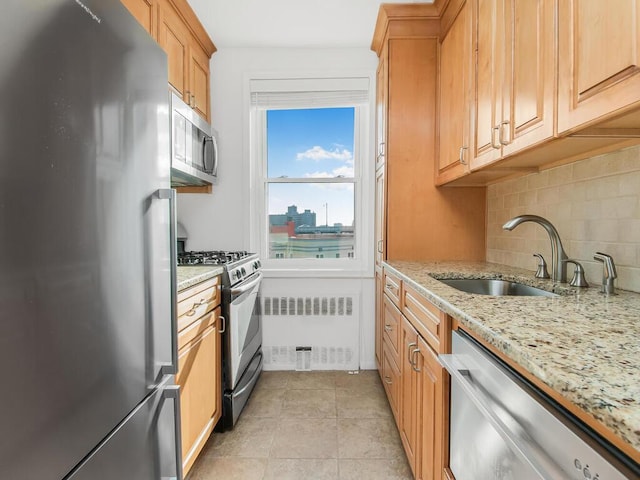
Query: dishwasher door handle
{"type": "Point", "coordinates": [525, 448]}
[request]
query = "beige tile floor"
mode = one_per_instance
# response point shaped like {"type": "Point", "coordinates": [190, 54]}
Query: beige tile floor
{"type": "Point", "coordinates": [309, 426]}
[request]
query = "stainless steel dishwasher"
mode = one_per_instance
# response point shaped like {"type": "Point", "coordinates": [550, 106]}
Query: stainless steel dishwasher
{"type": "Point", "coordinates": [503, 429]}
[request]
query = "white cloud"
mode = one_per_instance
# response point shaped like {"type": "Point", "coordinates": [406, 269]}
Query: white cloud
{"type": "Point", "coordinates": [344, 171]}
{"type": "Point", "coordinates": [318, 153]}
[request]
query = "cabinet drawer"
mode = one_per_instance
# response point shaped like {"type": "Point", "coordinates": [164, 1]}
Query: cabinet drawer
{"type": "Point", "coordinates": [424, 316]}
{"type": "Point", "coordinates": [391, 380]}
{"type": "Point", "coordinates": [392, 287]}
{"type": "Point", "coordinates": [391, 326]}
{"type": "Point", "coordinates": [198, 327]}
{"type": "Point", "coordinates": [204, 297]}
{"type": "Point", "coordinates": [201, 288]}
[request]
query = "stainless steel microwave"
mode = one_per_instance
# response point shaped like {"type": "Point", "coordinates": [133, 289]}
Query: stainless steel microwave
{"type": "Point", "coordinates": [194, 147]}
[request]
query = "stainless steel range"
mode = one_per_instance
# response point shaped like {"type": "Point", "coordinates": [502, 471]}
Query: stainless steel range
{"type": "Point", "coordinates": [242, 338]}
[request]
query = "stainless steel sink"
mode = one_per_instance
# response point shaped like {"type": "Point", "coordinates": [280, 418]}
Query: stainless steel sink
{"type": "Point", "coordinates": [485, 286]}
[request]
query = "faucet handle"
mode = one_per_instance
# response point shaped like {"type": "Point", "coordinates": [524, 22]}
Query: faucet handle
{"type": "Point", "coordinates": [609, 273]}
{"type": "Point", "coordinates": [578, 279]}
{"type": "Point", "coordinates": [542, 267]}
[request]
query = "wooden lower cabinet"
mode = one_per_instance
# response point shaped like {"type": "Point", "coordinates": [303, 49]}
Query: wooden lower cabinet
{"type": "Point", "coordinates": [411, 394]}
{"type": "Point", "coordinates": [199, 378]}
{"type": "Point", "coordinates": [391, 380]}
{"type": "Point", "coordinates": [378, 320]}
{"type": "Point", "coordinates": [417, 387]}
{"type": "Point", "coordinates": [434, 407]}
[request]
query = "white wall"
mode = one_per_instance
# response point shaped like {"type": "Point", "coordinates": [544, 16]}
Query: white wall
{"type": "Point", "coordinates": [220, 220]}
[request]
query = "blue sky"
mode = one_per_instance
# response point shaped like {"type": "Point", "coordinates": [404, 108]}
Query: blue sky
{"type": "Point", "coordinates": [306, 144]}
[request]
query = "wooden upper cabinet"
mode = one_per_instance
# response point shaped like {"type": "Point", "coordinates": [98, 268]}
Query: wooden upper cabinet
{"type": "Point", "coordinates": [174, 37]}
{"type": "Point", "coordinates": [455, 98]}
{"type": "Point", "coordinates": [529, 74]}
{"type": "Point", "coordinates": [199, 80]}
{"type": "Point", "coordinates": [489, 49]}
{"type": "Point", "coordinates": [515, 77]}
{"type": "Point", "coordinates": [144, 11]}
{"type": "Point", "coordinates": [599, 49]}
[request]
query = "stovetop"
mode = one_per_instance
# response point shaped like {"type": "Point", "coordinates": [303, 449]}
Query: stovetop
{"type": "Point", "coordinates": [214, 257]}
{"type": "Point", "coordinates": [238, 266]}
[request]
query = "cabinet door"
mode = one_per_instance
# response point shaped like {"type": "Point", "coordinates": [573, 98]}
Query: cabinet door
{"type": "Point", "coordinates": [392, 320]}
{"type": "Point", "coordinates": [489, 75]}
{"type": "Point", "coordinates": [382, 93]}
{"type": "Point", "coordinates": [378, 320]}
{"type": "Point", "coordinates": [173, 37]}
{"type": "Point", "coordinates": [199, 377]}
{"type": "Point", "coordinates": [410, 394]}
{"type": "Point", "coordinates": [515, 61]}
{"type": "Point", "coordinates": [434, 413]}
{"type": "Point", "coordinates": [455, 79]}
{"type": "Point", "coordinates": [599, 50]}
{"type": "Point", "coordinates": [380, 216]}
{"type": "Point", "coordinates": [528, 93]}
{"type": "Point", "coordinates": [391, 380]}
{"type": "Point", "coordinates": [199, 80]}
{"type": "Point", "coordinates": [144, 12]}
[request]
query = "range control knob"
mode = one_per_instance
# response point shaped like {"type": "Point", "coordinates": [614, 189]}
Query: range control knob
{"type": "Point", "coordinates": [244, 272]}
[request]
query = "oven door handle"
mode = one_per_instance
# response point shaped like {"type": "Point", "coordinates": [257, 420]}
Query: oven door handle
{"type": "Point", "coordinates": [525, 448]}
{"type": "Point", "coordinates": [245, 288]}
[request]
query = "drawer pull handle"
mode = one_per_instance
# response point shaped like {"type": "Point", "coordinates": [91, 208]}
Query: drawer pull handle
{"type": "Point", "coordinates": [409, 347]}
{"type": "Point", "coordinates": [388, 328]}
{"type": "Point", "coordinates": [387, 380]}
{"type": "Point", "coordinates": [414, 363]}
{"type": "Point", "coordinates": [192, 312]}
{"type": "Point", "coordinates": [224, 324]}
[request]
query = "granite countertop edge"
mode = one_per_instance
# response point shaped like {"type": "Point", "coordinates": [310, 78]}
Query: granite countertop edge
{"type": "Point", "coordinates": [595, 367]}
{"type": "Point", "coordinates": [187, 276]}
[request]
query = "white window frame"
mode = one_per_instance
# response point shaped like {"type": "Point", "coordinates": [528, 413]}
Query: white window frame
{"type": "Point", "coordinates": [361, 264]}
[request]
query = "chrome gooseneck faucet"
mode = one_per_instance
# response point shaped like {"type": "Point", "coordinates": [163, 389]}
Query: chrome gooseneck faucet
{"type": "Point", "coordinates": [558, 255]}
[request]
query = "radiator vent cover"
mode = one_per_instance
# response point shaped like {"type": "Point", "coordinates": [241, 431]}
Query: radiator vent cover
{"type": "Point", "coordinates": [309, 332]}
{"type": "Point", "coordinates": [307, 306]}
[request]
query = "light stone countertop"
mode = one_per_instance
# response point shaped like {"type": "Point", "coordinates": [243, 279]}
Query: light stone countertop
{"type": "Point", "coordinates": [188, 276]}
{"type": "Point", "coordinates": [582, 344]}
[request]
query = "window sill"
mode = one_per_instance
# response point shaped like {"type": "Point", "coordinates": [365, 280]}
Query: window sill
{"type": "Point", "coordinates": [301, 272]}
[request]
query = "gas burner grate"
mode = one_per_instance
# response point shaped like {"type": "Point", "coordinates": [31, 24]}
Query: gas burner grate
{"type": "Point", "coordinates": [215, 257]}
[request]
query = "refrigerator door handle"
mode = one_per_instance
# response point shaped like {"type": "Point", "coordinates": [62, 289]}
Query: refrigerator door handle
{"type": "Point", "coordinates": [173, 392]}
{"type": "Point", "coordinates": [170, 194]}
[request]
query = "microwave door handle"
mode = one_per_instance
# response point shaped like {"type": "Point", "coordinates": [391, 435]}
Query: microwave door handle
{"type": "Point", "coordinates": [214, 144]}
{"type": "Point", "coordinates": [208, 140]}
{"type": "Point", "coordinates": [525, 448]}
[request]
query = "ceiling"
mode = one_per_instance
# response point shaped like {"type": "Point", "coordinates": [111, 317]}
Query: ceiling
{"type": "Point", "coordinates": [290, 23]}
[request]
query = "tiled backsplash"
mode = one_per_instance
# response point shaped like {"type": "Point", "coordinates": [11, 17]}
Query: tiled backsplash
{"type": "Point", "coordinates": [594, 204]}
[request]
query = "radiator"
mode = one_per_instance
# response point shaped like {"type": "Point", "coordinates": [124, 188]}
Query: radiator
{"type": "Point", "coordinates": [310, 332]}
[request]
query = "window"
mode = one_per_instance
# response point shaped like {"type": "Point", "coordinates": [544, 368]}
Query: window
{"type": "Point", "coordinates": [308, 149]}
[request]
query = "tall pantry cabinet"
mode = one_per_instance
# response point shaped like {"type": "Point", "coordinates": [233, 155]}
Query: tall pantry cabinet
{"type": "Point", "coordinates": [414, 220]}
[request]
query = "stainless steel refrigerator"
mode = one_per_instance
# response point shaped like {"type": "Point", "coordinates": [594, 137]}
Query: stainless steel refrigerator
{"type": "Point", "coordinates": [86, 251]}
